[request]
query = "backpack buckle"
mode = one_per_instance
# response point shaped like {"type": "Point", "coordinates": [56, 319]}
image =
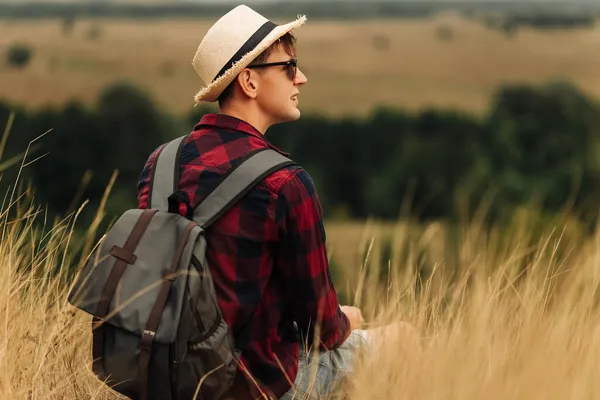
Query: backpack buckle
{"type": "Point", "coordinates": [147, 339]}
{"type": "Point", "coordinates": [123, 254]}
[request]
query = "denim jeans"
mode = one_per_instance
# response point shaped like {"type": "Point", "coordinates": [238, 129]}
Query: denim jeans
{"type": "Point", "coordinates": [320, 375]}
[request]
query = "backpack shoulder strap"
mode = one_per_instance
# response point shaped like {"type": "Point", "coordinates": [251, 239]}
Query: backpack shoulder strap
{"type": "Point", "coordinates": [165, 174]}
{"type": "Point", "coordinates": [237, 183]}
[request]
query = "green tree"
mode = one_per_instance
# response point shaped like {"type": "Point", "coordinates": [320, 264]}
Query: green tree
{"type": "Point", "coordinates": [544, 144]}
{"type": "Point", "coordinates": [118, 136]}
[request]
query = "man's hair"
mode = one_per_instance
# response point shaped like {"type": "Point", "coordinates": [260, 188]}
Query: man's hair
{"type": "Point", "coordinates": [288, 41]}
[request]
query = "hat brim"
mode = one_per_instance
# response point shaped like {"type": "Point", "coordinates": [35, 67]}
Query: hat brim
{"type": "Point", "coordinates": [212, 92]}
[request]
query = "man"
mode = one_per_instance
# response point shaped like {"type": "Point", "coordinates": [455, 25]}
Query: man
{"type": "Point", "coordinates": [267, 255]}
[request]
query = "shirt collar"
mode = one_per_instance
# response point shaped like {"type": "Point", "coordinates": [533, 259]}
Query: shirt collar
{"type": "Point", "coordinates": [232, 123]}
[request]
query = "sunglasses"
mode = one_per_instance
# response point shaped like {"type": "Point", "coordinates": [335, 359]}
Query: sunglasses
{"type": "Point", "coordinates": [292, 67]}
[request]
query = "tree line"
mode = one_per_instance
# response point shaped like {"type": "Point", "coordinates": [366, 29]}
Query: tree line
{"type": "Point", "coordinates": [536, 144]}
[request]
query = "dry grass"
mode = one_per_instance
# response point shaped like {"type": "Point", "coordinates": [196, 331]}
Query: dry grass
{"type": "Point", "coordinates": [517, 319]}
{"type": "Point", "coordinates": [502, 312]}
{"type": "Point", "coordinates": [43, 341]}
{"type": "Point", "coordinates": [347, 74]}
{"type": "Point", "coordinates": [508, 315]}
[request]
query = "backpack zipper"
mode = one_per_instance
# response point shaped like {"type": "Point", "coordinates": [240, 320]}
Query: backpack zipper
{"type": "Point", "coordinates": [210, 332]}
{"type": "Point", "coordinates": [197, 316]}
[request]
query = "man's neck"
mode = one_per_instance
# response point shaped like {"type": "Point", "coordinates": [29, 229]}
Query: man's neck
{"type": "Point", "coordinates": [248, 115]}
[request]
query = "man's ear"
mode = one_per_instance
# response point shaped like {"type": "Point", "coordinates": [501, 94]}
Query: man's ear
{"type": "Point", "coordinates": [248, 83]}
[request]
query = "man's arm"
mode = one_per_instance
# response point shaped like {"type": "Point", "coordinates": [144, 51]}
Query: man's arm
{"type": "Point", "coordinates": [304, 266]}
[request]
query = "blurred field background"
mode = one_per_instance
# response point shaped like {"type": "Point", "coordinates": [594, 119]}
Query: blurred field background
{"type": "Point", "coordinates": [446, 61]}
{"type": "Point", "coordinates": [455, 147]}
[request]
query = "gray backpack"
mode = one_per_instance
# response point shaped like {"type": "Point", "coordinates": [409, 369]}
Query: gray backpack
{"type": "Point", "coordinates": [158, 332]}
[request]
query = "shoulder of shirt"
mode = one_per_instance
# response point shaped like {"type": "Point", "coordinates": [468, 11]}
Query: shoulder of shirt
{"type": "Point", "coordinates": [154, 154]}
{"type": "Point", "coordinates": [283, 176]}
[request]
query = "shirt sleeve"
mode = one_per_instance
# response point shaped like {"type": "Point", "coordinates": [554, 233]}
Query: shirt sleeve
{"type": "Point", "coordinates": [143, 184]}
{"type": "Point", "coordinates": [302, 258]}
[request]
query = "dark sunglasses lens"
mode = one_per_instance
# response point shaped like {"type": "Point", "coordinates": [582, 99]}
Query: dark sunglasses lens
{"type": "Point", "coordinates": [292, 71]}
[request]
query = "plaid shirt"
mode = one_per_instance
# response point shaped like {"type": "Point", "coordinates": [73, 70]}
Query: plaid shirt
{"type": "Point", "coordinates": [267, 254]}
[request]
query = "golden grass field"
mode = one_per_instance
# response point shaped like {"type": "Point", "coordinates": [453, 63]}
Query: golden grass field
{"type": "Point", "coordinates": [347, 74]}
{"type": "Point", "coordinates": [499, 313]}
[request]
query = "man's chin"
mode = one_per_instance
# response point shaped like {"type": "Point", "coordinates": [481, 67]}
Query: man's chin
{"type": "Point", "coordinates": [290, 116]}
{"type": "Point", "coordinates": [295, 114]}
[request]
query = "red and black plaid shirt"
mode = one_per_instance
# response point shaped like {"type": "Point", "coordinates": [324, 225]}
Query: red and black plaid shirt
{"type": "Point", "coordinates": [267, 254]}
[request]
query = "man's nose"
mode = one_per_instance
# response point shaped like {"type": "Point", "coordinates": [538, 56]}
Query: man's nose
{"type": "Point", "coordinates": [300, 78]}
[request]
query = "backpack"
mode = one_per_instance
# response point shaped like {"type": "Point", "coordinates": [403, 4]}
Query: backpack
{"type": "Point", "coordinates": [158, 332]}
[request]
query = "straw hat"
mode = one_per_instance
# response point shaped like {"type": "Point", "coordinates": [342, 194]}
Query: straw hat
{"type": "Point", "coordinates": [231, 44]}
